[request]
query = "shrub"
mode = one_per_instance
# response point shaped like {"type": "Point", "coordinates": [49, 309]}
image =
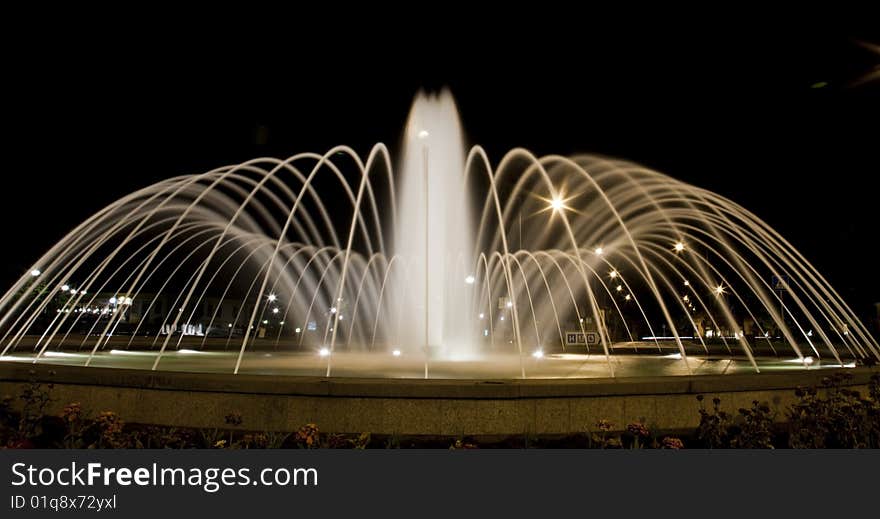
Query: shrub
{"type": "Point", "coordinates": [754, 430]}
{"type": "Point", "coordinates": [834, 416]}
{"type": "Point", "coordinates": [713, 428]}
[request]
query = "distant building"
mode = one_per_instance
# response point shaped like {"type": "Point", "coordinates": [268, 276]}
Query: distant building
{"type": "Point", "coordinates": [877, 320]}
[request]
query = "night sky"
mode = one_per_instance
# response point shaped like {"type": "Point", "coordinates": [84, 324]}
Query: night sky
{"type": "Point", "coordinates": [769, 117]}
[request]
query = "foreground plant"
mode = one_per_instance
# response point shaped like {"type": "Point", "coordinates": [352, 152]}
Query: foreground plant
{"type": "Point", "coordinates": [713, 427]}
{"type": "Point", "coordinates": [755, 429]}
{"type": "Point", "coordinates": [834, 416]}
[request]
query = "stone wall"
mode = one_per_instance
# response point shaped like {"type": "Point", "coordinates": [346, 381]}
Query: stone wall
{"type": "Point", "coordinates": [410, 407]}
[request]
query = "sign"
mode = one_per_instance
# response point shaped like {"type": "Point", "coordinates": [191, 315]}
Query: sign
{"type": "Point", "coordinates": [312, 326]}
{"type": "Point", "coordinates": [780, 283]}
{"type": "Point", "coordinates": [581, 338]}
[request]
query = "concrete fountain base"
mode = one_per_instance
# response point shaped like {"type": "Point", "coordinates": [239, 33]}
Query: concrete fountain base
{"type": "Point", "coordinates": [408, 407]}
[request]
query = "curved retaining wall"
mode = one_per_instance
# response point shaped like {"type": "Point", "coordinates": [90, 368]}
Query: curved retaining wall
{"type": "Point", "coordinates": [412, 407]}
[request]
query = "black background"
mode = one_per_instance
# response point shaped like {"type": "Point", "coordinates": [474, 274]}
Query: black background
{"type": "Point", "coordinates": [95, 111]}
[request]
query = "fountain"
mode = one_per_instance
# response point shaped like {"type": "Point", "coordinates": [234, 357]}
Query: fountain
{"type": "Point", "coordinates": [439, 265]}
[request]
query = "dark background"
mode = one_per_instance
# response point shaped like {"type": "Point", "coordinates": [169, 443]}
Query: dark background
{"type": "Point", "coordinates": [731, 105]}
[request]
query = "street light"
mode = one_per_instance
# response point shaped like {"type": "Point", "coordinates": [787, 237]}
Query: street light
{"type": "Point", "coordinates": [679, 246]}
{"type": "Point", "coordinates": [599, 251]}
{"type": "Point", "coordinates": [719, 290]}
{"type": "Point", "coordinates": [557, 204]}
{"type": "Point", "coordinates": [613, 274]}
{"type": "Point", "coordinates": [272, 298]}
{"type": "Point", "coordinates": [35, 272]}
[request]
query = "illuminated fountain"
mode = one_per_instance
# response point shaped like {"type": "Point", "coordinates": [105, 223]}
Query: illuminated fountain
{"type": "Point", "coordinates": [325, 264]}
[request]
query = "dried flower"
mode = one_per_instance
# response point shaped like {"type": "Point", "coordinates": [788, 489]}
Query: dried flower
{"type": "Point", "coordinates": [72, 412]}
{"type": "Point", "coordinates": [308, 435]}
{"type": "Point", "coordinates": [670, 442]}
{"type": "Point", "coordinates": [637, 429]}
{"type": "Point", "coordinates": [234, 418]}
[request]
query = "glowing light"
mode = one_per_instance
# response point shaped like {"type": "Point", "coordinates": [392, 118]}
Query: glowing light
{"type": "Point", "coordinates": [599, 251]}
{"type": "Point", "coordinates": [808, 360]}
{"type": "Point", "coordinates": [112, 300]}
{"type": "Point", "coordinates": [509, 305]}
{"type": "Point", "coordinates": [230, 325]}
{"type": "Point", "coordinates": [687, 283]}
{"type": "Point", "coordinates": [126, 301]}
{"type": "Point", "coordinates": [502, 317]}
{"type": "Point", "coordinates": [340, 317]}
{"type": "Point", "coordinates": [272, 298]}
{"type": "Point", "coordinates": [396, 353]}
{"type": "Point", "coordinates": [719, 290]}
{"type": "Point", "coordinates": [65, 288]}
{"type": "Point", "coordinates": [557, 204]}
{"type": "Point", "coordinates": [469, 280]}
{"type": "Point", "coordinates": [619, 288]}
{"type": "Point", "coordinates": [324, 352]}
{"type": "Point", "coordinates": [59, 354]}
{"type": "Point", "coordinates": [686, 297]}
{"type": "Point", "coordinates": [298, 330]}
{"type": "Point", "coordinates": [333, 310]}
{"type": "Point", "coordinates": [424, 134]}
{"type": "Point", "coordinates": [275, 310]}
{"type": "Point", "coordinates": [73, 291]}
{"type": "Point", "coordinates": [613, 274]}
{"type": "Point", "coordinates": [538, 354]}
{"type": "Point", "coordinates": [679, 246]}
{"type": "Point", "coordinates": [482, 316]}
{"type": "Point", "coordinates": [266, 321]}
{"type": "Point", "coordinates": [35, 272]}
{"type": "Point", "coordinates": [628, 297]}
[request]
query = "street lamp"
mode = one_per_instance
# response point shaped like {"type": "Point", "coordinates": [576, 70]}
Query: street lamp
{"type": "Point", "coordinates": [35, 272]}
{"type": "Point", "coordinates": [679, 246]}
